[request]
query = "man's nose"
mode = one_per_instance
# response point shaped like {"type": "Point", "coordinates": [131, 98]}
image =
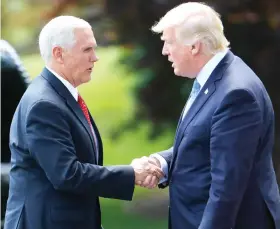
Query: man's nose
{"type": "Point", "coordinates": [164, 51]}
{"type": "Point", "coordinates": [94, 58]}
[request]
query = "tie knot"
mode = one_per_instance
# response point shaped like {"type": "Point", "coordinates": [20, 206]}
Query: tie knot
{"type": "Point", "coordinates": [82, 103]}
{"type": "Point", "coordinates": [80, 99]}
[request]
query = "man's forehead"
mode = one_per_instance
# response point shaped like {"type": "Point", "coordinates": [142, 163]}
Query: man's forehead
{"type": "Point", "coordinates": [89, 43]}
{"type": "Point", "coordinates": [164, 35]}
{"type": "Point", "coordinates": [167, 34]}
{"type": "Point", "coordinates": [95, 45]}
{"type": "Point", "coordinates": [83, 32]}
{"type": "Point", "coordinates": [94, 41]}
{"type": "Point", "coordinates": [86, 37]}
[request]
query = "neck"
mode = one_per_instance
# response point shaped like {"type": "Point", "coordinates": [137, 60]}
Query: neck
{"type": "Point", "coordinates": [202, 61]}
{"type": "Point", "coordinates": [61, 73]}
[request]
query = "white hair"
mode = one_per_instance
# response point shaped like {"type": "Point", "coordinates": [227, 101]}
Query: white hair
{"type": "Point", "coordinates": [59, 32]}
{"type": "Point", "coordinates": [195, 22]}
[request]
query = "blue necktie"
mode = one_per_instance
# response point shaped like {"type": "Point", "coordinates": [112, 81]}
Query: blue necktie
{"type": "Point", "coordinates": [193, 95]}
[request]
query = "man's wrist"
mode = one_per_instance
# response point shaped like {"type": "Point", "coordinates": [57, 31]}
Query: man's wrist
{"type": "Point", "coordinates": [155, 160]}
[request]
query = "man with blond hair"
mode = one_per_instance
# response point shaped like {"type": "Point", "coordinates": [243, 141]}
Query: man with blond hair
{"type": "Point", "coordinates": [57, 173]}
{"type": "Point", "coordinates": [219, 169]}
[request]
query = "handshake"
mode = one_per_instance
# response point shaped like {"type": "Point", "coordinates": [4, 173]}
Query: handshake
{"type": "Point", "coordinates": [147, 171]}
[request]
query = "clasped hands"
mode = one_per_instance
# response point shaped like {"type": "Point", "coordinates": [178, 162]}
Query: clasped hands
{"type": "Point", "coordinates": [147, 171]}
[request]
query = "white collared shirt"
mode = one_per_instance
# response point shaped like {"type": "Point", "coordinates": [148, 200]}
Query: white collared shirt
{"type": "Point", "coordinates": [209, 67]}
{"type": "Point", "coordinates": [202, 77]}
{"type": "Point", "coordinates": [73, 90]}
{"type": "Point", "coordinates": [205, 73]}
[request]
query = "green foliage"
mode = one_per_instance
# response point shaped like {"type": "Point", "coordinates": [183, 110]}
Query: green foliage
{"type": "Point", "coordinates": [20, 20]}
{"type": "Point", "coordinates": [113, 219]}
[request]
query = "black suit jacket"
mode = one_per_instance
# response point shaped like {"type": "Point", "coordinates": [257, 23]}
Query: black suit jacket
{"type": "Point", "coordinates": [55, 180]}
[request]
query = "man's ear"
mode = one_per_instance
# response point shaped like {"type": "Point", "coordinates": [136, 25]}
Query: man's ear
{"type": "Point", "coordinates": [58, 54]}
{"type": "Point", "coordinates": [195, 48]}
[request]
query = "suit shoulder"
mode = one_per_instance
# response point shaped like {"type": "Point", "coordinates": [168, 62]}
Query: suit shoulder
{"type": "Point", "coordinates": [40, 90]}
{"type": "Point", "coordinates": [239, 76]}
{"type": "Point", "coordinates": [40, 93]}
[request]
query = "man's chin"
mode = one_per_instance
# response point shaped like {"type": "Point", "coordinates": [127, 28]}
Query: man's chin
{"type": "Point", "coordinates": [86, 79]}
{"type": "Point", "coordinates": [177, 72]}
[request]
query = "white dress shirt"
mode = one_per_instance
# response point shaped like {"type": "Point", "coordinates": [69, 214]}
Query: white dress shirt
{"type": "Point", "coordinates": [202, 77]}
{"type": "Point", "coordinates": [73, 90]}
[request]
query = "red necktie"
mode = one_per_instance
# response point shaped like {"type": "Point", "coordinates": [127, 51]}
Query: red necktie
{"type": "Point", "coordinates": [85, 111]}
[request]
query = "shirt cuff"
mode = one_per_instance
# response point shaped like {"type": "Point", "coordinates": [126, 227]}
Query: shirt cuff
{"type": "Point", "coordinates": [163, 166]}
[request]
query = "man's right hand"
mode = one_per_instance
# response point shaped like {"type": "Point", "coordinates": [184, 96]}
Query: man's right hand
{"type": "Point", "coordinates": [147, 172]}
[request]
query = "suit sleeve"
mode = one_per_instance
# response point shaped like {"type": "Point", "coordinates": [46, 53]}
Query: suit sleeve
{"type": "Point", "coordinates": [167, 156]}
{"type": "Point", "coordinates": [51, 144]}
{"type": "Point", "coordinates": [235, 132]}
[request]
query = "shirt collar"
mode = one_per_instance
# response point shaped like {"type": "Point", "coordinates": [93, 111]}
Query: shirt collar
{"type": "Point", "coordinates": [209, 67]}
{"type": "Point", "coordinates": [69, 86]}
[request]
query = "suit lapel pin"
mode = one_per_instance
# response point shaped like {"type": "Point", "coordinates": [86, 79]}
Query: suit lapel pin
{"type": "Point", "coordinates": [206, 91]}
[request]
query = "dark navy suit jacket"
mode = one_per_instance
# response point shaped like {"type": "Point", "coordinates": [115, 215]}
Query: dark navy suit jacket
{"type": "Point", "coordinates": [55, 180]}
{"type": "Point", "coordinates": [220, 167]}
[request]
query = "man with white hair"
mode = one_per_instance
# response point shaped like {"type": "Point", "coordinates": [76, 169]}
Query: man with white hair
{"type": "Point", "coordinates": [219, 169]}
{"type": "Point", "coordinates": [56, 173]}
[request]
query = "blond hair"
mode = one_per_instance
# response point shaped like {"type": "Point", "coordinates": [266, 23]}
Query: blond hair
{"type": "Point", "coordinates": [195, 22]}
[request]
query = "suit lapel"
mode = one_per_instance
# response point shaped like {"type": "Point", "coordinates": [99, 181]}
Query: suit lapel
{"type": "Point", "coordinates": [99, 141]}
{"type": "Point", "coordinates": [74, 106]}
{"type": "Point", "coordinates": [200, 100]}
{"type": "Point", "coordinates": [70, 101]}
{"type": "Point", "coordinates": [205, 93]}
{"type": "Point", "coordinates": [179, 123]}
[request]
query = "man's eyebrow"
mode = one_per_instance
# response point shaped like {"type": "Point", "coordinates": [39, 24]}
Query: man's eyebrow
{"type": "Point", "coordinates": [91, 47]}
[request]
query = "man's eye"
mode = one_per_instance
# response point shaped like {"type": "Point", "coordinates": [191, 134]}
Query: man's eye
{"type": "Point", "coordinates": [88, 49]}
